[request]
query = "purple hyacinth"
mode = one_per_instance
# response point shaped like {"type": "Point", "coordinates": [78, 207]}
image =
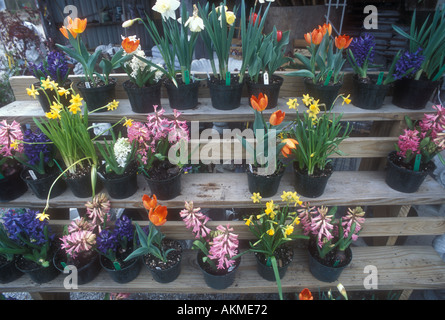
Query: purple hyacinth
{"type": "Point", "coordinates": [55, 67]}
{"type": "Point", "coordinates": [406, 62]}
{"type": "Point", "coordinates": [32, 151]}
{"type": "Point", "coordinates": [360, 48]}
{"type": "Point", "coordinates": [106, 241]}
{"type": "Point", "coordinates": [124, 228]}
{"type": "Point", "coordinates": [23, 224]}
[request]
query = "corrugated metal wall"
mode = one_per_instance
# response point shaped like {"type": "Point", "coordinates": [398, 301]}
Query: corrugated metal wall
{"type": "Point", "coordinates": [99, 32]}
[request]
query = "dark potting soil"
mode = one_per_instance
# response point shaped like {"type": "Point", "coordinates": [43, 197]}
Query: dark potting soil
{"type": "Point", "coordinates": [48, 172]}
{"type": "Point", "coordinates": [3, 260]}
{"type": "Point", "coordinates": [173, 257]}
{"type": "Point", "coordinates": [25, 264]}
{"type": "Point", "coordinates": [163, 170]}
{"type": "Point", "coordinates": [277, 172]}
{"type": "Point", "coordinates": [80, 172]}
{"type": "Point", "coordinates": [317, 172]}
{"type": "Point", "coordinates": [234, 80]}
{"type": "Point", "coordinates": [283, 255]}
{"type": "Point", "coordinates": [398, 161]}
{"type": "Point", "coordinates": [272, 80]}
{"type": "Point", "coordinates": [99, 84]}
{"type": "Point", "coordinates": [218, 272]}
{"type": "Point", "coordinates": [111, 175]}
{"type": "Point", "coordinates": [331, 257]}
{"type": "Point", "coordinates": [120, 257]}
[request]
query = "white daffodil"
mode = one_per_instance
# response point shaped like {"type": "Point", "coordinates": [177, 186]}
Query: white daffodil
{"type": "Point", "coordinates": [128, 23]}
{"type": "Point", "coordinates": [166, 8]}
{"type": "Point", "coordinates": [195, 23]}
{"type": "Point", "coordinates": [230, 17]}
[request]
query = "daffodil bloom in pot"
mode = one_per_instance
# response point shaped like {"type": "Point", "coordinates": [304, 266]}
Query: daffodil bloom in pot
{"type": "Point", "coordinates": [144, 86]}
{"type": "Point", "coordinates": [78, 245]}
{"type": "Point", "coordinates": [159, 143]}
{"type": "Point", "coordinates": [11, 185]}
{"type": "Point", "coordinates": [161, 256]}
{"type": "Point", "coordinates": [411, 161]}
{"type": "Point", "coordinates": [98, 89]}
{"type": "Point", "coordinates": [26, 233]}
{"type": "Point", "coordinates": [274, 227]}
{"type": "Point", "coordinates": [265, 168]}
{"type": "Point", "coordinates": [323, 70]}
{"type": "Point", "coordinates": [217, 249]}
{"type": "Point", "coordinates": [176, 45]}
{"type": "Point", "coordinates": [225, 87]}
{"type": "Point", "coordinates": [115, 243]}
{"type": "Point", "coordinates": [330, 238]}
{"type": "Point", "coordinates": [319, 135]}
{"type": "Point", "coordinates": [119, 172]}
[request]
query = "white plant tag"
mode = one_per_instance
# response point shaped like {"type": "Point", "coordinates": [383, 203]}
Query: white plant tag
{"type": "Point", "coordinates": [87, 85]}
{"type": "Point", "coordinates": [266, 78]}
{"type": "Point", "coordinates": [32, 174]}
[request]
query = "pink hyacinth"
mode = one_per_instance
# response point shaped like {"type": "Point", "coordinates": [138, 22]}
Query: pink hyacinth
{"type": "Point", "coordinates": [78, 242]}
{"type": "Point", "coordinates": [194, 219]}
{"type": "Point", "coordinates": [321, 226]}
{"type": "Point", "coordinates": [305, 215]}
{"type": "Point", "coordinates": [410, 140]}
{"type": "Point", "coordinates": [224, 247]}
{"type": "Point", "coordinates": [9, 134]}
{"type": "Point", "coordinates": [353, 216]}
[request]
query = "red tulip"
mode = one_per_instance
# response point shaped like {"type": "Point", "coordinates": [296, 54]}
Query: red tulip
{"type": "Point", "coordinates": [253, 17]}
{"type": "Point", "coordinates": [277, 117]}
{"type": "Point", "coordinates": [260, 103]}
{"type": "Point", "coordinates": [279, 35]}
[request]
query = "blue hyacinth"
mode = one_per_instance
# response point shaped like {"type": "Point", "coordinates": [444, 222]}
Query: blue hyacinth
{"type": "Point", "coordinates": [361, 46]}
{"type": "Point", "coordinates": [406, 62]}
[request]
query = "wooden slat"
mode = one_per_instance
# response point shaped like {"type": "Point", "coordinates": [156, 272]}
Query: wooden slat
{"type": "Point", "coordinates": [406, 267]}
{"type": "Point", "coordinates": [230, 190]}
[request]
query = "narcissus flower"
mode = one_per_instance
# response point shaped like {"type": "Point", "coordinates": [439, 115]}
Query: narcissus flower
{"type": "Point", "coordinates": [195, 23]}
{"type": "Point", "coordinates": [292, 103]}
{"type": "Point", "coordinates": [256, 197]}
{"type": "Point", "coordinates": [277, 117]}
{"type": "Point", "coordinates": [166, 8]}
{"type": "Point", "coordinates": [32, 92]}
{"type": "Point", "coordinates": [343, 42]}
{"type": "Point", "coordinates": [259, 103]}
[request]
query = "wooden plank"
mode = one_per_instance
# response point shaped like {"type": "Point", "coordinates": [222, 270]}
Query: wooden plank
{"type": "Point", "coordinates": [230, 190]}
{"type": "Point", "coordinates": [373, 227]}
{"type": "Point", "coordinates": [400, 267]}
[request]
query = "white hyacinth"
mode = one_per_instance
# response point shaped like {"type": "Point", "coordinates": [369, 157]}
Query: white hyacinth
{"type": "Point", "coordinates": [122, 148]}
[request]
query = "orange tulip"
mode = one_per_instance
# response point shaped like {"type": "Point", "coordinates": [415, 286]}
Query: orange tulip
{"type": "Point", "coordinates": [130, 45]}
{"type": "Point", "coordinates": [277, 117]}
{"type": "Point", "coordinates": [308, 38]}
{"type": "Point", "coordinates": [326, 28]}
{"type": "Point", "coordinates": [342, 42]}
{"type": "Point", "coordinates": [158, 215]}
{"type": "Point", "coordinates": [317, 36]}
{"type": "Point", "coordinates": [75, 27]}
{"type": "Point", "coordinates": [290, 144]}
{"type": "Point", "coordinates": [65, 30]}
{"type": "Point", "coordinates": [149, 203]}
{"type": "Point", "coordinates": [305, 294]}
{"type": "Point", "coordinates": [260, 103]}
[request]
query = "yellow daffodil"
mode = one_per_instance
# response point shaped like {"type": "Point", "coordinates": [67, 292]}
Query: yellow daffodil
{"type": "Point", "coordinates": [63, 91]}
{"type": "Point", "coordinates": [42, 216]}
{"type": "Point", "coordinates": [256, 197]}
{"type": "Point", "coordinates": [48, 84]}
{"type": "Point", "coordinates": [346, 100]}
{"type": "Point", "coordinates": [128, 123]}
{"type": "Point", "coordinates": [52, 114]}
{"type": "Point", "coordinates": [249, 221]}
{"type": "Point", "coordinates": [56, 106]}
{"type": "Point", "coordinates": [32, 92]}
{"type": "Point", "coordinates": [292, 103]}
{"type": "Point", "coordinates": [271, 232]}
{"type": "Point", "coordinates": [76, 99]}
{"type": "Point", "coordinates": [15, 145]}
{"type": "Point", "coordinates": [296, 221]}
{"type": "Point", "coordinates": [288, 230]}
{"type": "Point", "coordinates": [74, 108]}
{"type": "Point", "coordinates": [307, 99]}
{"type": "Point", "coordinates": [269, 207]}
{"type": "Point", "coordinates": [113, 105]}
{"type": "Point", "coordinates": [230, 17]}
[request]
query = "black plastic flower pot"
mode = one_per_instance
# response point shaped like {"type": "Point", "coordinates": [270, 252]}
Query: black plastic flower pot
{"type": "Point", "coordinates": [326, 94]}
{"type": "Point", "coordinates": [51, 95]}
{"type": "Point", "coordinates": [165, 189]}
{"type": "Point", "coordinates": [403, 179]}
{"type": "Point", "coordinates": [225, 97]}
{"type": "Point", "coordinates": [327, 273]}
{"type": "Point", "coordinates": [367, 94]}
{"type": "Point", "coordinates": [265, 185]}
{"type": "Point", "coordinates": [80, 185]}
{"type": "Point", "coordinates": [143, 99]}
{"type": "Point", "coordinates": [35, 272]}
{"type": "Point", "coordinates": [86, 272]}
{"type": "Point", "coordinates": [120, 186]}
{"type": "Point", "coordinates": [218, 280]}
{"type": "Point", "coordinates": [272, 90]}
{"type": "Point", "coordinates": [311, 186]}
{"type": "Point", "coordinates": [267, 272]}
{"type": "Point", "coordinates": [413, 94]}
{"type": "Point", "coordinates": [9, 271]}
{"type": "Point", "coordinates": [99, 96]}
{"type": "Point", "coordinates": [184, 96]}
{"type": "Point", "coordinates": [124, 275]}
{"type": "Point", "coordinates": [12, 186]}
{"type": "Point", "coordinates": [170, 271]}
{"type": "Point", "coordinates": [42, 184]}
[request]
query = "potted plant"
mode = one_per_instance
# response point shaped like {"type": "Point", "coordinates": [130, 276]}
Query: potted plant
{"type": "Point", "coordinates": [225, 87]}
{"type": "Point", "coordinates": [33, 243]}
{"type": "Point", "coordinates": [330, 239]}
{"type": "Point", "coordinates": [427, 45]}
{"type": "Point", "coordinates": [119, 172]}
{"type": "Point", "coordinates": [411, 161]}
{"type": "Point", "coordinates": [322, 71]}
{"type": "Point", "coordinates": [318, 136]}
{"type": "Point", "coordinates": [78, 245]}
{"type": "Point", "coordinates": [53, 68]}
{"type": "Point", "coordinates": [263, 55]}
{"type": "Point", "coordinates": [11, 185]}
{"type": "Point", "coordinates": [217, 249]}
{"type": "Point", "coordinates": [274, 228]}
{"type": "Point", "coordinates": [144, 86]}
{"type": "Point", "coordinates": [97, 88]}
{"type": "Point", "coordinates": [115, 244]}
{"type": "Point", "coordinates": [265, 169]}
{"type": "Point", "coordinates": [157, 139]}
{"type": "Point", "coordinates": [176, 46]}
{"type": "Point", "coordinates": [9, 252]}
{"type": "Point", "coordinates": [161, 256]}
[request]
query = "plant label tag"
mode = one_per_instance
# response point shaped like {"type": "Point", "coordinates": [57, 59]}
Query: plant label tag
{"type": "Point", "coordinates": [187, 77]}
{"type": "Point", "coordinates": [117, 266]}
{"type": "Point", "coordinates": [417, 162]}
{"type": "Point", "coordinates": [380, 78]}
{"type": "Point", "coordinates": [228, 78]}
{"type": "Point", "coordinates": [87, 85]}
{"type": "Point", "coordinates": [266, 78]}
{"type": "Point", "coordinates": [32, 174]}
